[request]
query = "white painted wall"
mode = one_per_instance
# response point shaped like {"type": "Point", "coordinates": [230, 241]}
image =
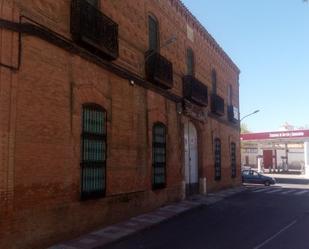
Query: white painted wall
{"type": "Point", "coordinates": [306, 158]}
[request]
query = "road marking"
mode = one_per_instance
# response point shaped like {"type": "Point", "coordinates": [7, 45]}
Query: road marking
{"type": "Point", "coordinates": [301, 192]}
{"type": "Point", "coordinates": [275, 235]}
{"type": "Point", "coordinates": [269, 190]}
{"type": "Point", "coordinates": [260, 190]}
{"type": "Point", "coordinates": [274, 191]}
{"type": "Point", "coordinates": [287, 192]}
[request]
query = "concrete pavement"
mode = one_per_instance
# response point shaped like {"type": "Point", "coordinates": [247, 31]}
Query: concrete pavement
{"type": "Point", "coordinates": [290, 180]}
{"type": "Point", "coordinates": [120, 231]}
{"type": "Point", "coordinates": [258, 218]}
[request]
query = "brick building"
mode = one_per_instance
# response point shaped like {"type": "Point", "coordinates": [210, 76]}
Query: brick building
{"type": "Point", "coordinates": [108, 109]}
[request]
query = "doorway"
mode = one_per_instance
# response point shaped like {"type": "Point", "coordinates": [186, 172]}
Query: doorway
{"type": "Point", "coordinates": [268, 159]}
{"type": "Point", "coordinates": [191, 159]}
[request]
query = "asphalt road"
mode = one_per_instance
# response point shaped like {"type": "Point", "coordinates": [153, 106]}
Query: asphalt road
{"type": "Point", "coordinates": [276, 217]}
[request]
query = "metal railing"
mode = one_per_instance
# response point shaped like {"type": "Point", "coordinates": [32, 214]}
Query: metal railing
{"type": "Point", "coordinates": [94, 29]}
{"type": "Point", "coordinates": [233, 113]}
{"type": "Point", "coordinates": [194, 90]}
{"type": "Point", "coordinates": [159, 70]}
{"type": "Point", "coordinates": [217, 104]}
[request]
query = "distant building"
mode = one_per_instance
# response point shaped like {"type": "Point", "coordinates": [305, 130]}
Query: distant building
{"type": "Point", "coordinates": [279, 151]}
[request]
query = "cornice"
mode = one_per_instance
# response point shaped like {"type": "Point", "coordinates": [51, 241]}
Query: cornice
{"type": "Point", "coordinates": [180, 7]}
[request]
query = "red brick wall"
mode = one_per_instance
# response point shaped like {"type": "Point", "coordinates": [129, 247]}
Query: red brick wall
{"type": "Point", "coordinates": [8, 91]}
{"type": "Point", "coordinates": [40, 124]}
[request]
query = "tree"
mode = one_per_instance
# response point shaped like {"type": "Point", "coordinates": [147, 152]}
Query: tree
{"type": "Point", "coordinates": [244, 128]}
{"type": "Point", "coordinates": [288, 127]}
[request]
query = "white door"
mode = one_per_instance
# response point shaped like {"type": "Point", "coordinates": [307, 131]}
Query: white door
{"type": "Point", "coordinates": [191, 158]}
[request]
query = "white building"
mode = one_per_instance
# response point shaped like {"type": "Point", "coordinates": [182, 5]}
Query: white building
{"type": "Point", "coordinates": [276, 151]}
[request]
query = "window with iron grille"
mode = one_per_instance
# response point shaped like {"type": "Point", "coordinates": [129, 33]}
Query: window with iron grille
{"type": "Point", "coordinates": [153, 33]}
{"type": "Point", "coordinates": [217, 159]}
{"type": "Point", "coordinates": [214, 81]}
{"type": "Point", "coordinates": [93, 156]}
{"type": "Point", "coordinates": [159, 156]}
{"type": "Point", "coordinates": [94, 3]}
{"type": "Point", "coordinates": [233, 159]}
{"type": "Point", "coordinates": [229, 95]}
{"type": "Point", "coordinates": [190, 61]}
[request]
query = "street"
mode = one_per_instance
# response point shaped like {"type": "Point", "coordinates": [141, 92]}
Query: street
{"type": "Point", "coordinates": [259, 217]}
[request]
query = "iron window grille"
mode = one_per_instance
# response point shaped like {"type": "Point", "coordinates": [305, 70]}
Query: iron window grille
{"type": "Point", "coordinates": [217, 105]}
{"type": "Point", "coordinates": [93, 30]}
{"type": "Point", "coordinates": [233, 113]}
{"type": "Point", "coordinates": [94, 3]}
{"type": "Point", "coordinates": [233, 159]}
{"type": "Point", "coordinates": [93, 154]}
{"type": "Point", "coordinates": [217, 159]}
{"type": "Point", "coordinates": [159, 70]}
{"type": "Point", "coordinates": [195, 91]}
{"type": "Point", "coordinates": [159, 156]}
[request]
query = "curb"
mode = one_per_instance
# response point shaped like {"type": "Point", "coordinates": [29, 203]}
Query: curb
{"type": "Point", "coordinates": [120, 231]}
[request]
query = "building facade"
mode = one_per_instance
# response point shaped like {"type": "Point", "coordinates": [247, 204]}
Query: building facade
{"type": "Point", "coordinates": [277, 151]}
{"type": "Point", "coordinates": [108, 109]}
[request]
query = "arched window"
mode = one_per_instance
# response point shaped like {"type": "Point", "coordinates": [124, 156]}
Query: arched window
{"type": "Point", "coordinates": [190, 62]}
{"type": "Point", "coordinates": [214, 81]}
{"type": "Point", "coordinates": [229, 95]}
{"type": "Point", "coordinates": [233, 160]}
{"type": "Point", "coordinates": [158, 156]}
{"type": "Point", "coordinates": [217, 159]}
{"type": "Point", "coordinates": [153, 27]}
{"type": "Point", "coordinates": [93, 152]}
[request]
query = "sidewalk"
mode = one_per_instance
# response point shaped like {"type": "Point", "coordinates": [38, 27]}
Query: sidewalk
{"type": "Point", "coordinates": [286, 176]}
{"type": "Point", "coordinates": [136, 224]}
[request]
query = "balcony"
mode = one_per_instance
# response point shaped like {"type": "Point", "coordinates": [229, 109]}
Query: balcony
{"type": "Point", "coordinates": [217, 105]}
{"type": "Point", "coordinates": [233, 114]}
{"type": "Point", "coordinates": [93, 30]}
{"type": "Point", "coordinates": [159, 70]}
{"type": "Point", "coordinates": [195, 91]}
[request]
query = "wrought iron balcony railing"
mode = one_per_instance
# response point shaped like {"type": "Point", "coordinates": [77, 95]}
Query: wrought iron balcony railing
{"type": "Point", "coordinates": [217, 104]}
{"type": "Point", "coordinates": [233, 113]}
{"type": "Point", "coordinates": [93, 30]}
{"type": "Point", "coordinates": [159, 70]}
{"type": "Point", "coordinates": [195, 91]}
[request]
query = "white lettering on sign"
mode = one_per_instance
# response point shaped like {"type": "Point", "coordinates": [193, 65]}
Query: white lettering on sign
{"type": "Point", "coordinates": [286, 134]}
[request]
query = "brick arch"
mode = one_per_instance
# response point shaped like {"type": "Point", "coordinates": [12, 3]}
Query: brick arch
{"type": "Point", "coordinates": [84, 96]}
{"type": "Point", "coordinates": [201, 145]}
{"type": "Point", "coordinates": [90, 95]}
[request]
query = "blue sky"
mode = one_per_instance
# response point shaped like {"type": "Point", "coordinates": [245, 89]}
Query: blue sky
{"type": "Point", "coordinates": [269, 41]}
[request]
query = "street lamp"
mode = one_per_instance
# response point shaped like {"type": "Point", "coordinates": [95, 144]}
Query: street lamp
{"type": "Point", "coordinates": [242, 144]}
{"type": "Point", "coordinates": [169, 41]}
{"type": "Point", "coordinates": [252, 113]}
{"type": "Point", "coordinates": [165, 44]}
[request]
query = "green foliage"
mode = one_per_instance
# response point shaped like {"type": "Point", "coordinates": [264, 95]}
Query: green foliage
{"type": "Point", "coordinates": [244, 128]}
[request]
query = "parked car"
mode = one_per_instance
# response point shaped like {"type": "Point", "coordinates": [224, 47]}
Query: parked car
{"type": "Point", "coordinates": [251, 176]}
{"type": "Point", "coordinates": [245, 167]}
